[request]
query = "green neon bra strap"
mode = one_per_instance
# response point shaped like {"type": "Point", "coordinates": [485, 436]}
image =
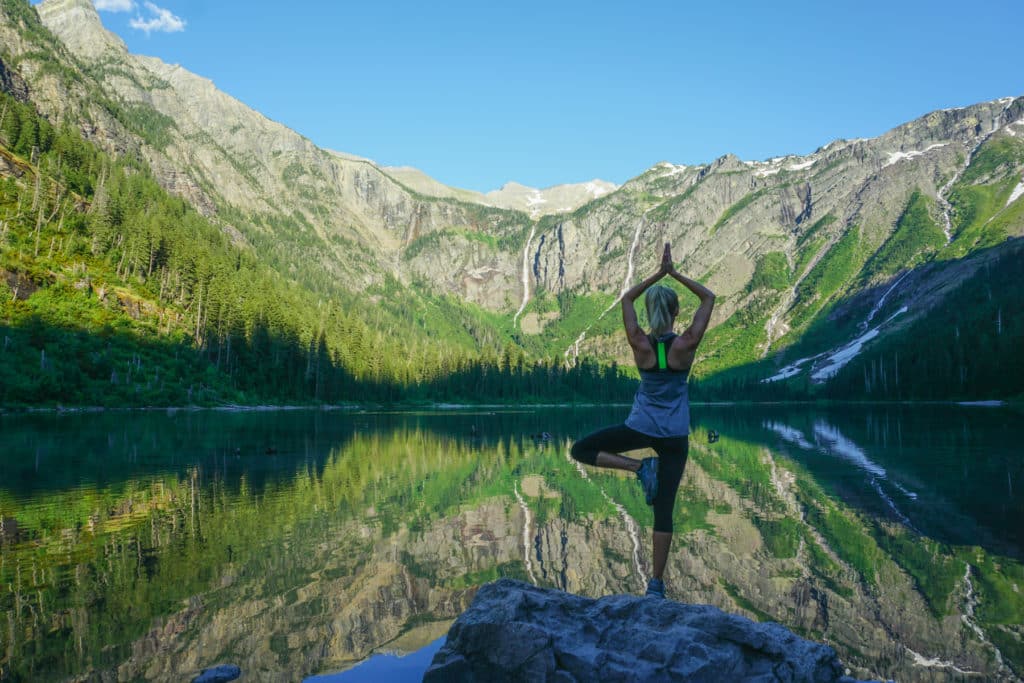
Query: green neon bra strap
{"type": "Point", "coordinates": [662, 361]}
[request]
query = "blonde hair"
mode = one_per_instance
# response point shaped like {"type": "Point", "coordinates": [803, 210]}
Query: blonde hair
{"type": "Point", "coordinates": [662, 306]}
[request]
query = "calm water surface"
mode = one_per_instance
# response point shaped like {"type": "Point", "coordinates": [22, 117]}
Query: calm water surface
{"type": "Point", "coordinates": [302, 543]}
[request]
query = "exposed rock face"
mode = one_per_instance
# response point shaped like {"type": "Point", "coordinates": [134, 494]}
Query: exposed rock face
{"type": "Point", "coordinates": [514, 631]}
{"type": "Point", "coordinates": [67, 18]}
{"type": "Point", "coordinates": [11, 82]}
{"type": "Point", "coordinates": [551, 200]}
{"type": "Point", "coordinates": [734, 210]}
{"type": "Point", "coordinates": [721, 216]}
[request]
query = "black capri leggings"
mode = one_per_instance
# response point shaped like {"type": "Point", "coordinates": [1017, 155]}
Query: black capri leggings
{"type": "Point", "coordinates": [672, 452]}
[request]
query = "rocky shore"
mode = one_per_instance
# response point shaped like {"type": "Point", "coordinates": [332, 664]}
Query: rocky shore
{"type": "Point", "coordinates": [514, 631]}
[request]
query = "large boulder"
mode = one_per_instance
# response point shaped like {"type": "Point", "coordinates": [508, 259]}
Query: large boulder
{"type": "Point", "coordinates": [517, 632]}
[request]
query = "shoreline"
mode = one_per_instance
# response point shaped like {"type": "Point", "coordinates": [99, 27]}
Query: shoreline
{"type": "Point", "coordinates": [348, 407]}
{"type": "Point", "coordinates": [448, 406]}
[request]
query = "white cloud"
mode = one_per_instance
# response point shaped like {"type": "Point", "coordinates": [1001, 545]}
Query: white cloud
{"type": "Point", "coordinates": [114, 5]}
{"type": "Point", "coordinates": [160, 20]}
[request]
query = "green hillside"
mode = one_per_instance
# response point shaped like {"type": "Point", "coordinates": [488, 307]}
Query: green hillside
{"type": "Point", "coordinates": [115, 293]}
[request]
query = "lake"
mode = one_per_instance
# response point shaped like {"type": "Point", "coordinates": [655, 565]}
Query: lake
{"type": "Point", "coordinates": [343, 544]}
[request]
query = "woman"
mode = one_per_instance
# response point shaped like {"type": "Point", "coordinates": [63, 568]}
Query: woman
{"type": "Point", "coordinates": [660, 418]}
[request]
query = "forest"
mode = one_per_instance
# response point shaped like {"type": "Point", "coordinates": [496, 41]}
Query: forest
{"type": "Point", "coordinates": [115, 293]}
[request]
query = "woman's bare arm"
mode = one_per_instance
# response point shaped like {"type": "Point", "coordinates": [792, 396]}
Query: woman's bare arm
{"type": "Point", "coordinates": [634, 334]}
{"type": "Point", "coordinates": [695, 332]}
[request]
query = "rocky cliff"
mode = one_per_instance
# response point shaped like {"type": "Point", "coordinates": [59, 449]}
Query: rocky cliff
{"type": "Point", "coordinates": [514, 631]}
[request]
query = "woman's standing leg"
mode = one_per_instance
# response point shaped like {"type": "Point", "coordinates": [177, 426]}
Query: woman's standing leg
{"type": "Point", "coordinates": [672, 454]}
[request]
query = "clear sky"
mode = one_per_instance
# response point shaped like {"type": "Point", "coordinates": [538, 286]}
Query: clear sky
{"type": "Point", "coordinates": [480, 93]}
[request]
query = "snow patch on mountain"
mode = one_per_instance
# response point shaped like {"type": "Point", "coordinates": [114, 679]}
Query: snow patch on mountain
{"type": "Point", "coordinates": [669, 169]}
{"type": "Point", "coordinates": [790, 370]}
{"type": "Point", "coordinates": [767, 167]}
{"type": "Point", "coordinates": [844, 355]}
{"type": "Point", "coordinates": [802, 165]}
{"type": "Point", "coordinates": [896, 157]}
{"type": "Point", "coordinates": [1017, 192]}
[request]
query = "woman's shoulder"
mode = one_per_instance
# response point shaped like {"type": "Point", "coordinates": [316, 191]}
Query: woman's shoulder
{"type": "Point", "coordinates": [644, 340]}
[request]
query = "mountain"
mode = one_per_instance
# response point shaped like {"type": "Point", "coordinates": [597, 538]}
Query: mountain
{"type": "Point", "coordinates": [224, 156]}
{"type": "Point", "coordinates": [555, 199]}
{"type": "Point", "coordinates": [808, 254]}
{"type": "Point", "coordinates": [202, 134]}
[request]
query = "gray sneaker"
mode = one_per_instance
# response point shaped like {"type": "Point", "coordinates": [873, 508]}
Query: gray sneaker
{"type": "Point", "coordinates": [656, 588]}
{"type": "Point", "coordinates": [648, 476]}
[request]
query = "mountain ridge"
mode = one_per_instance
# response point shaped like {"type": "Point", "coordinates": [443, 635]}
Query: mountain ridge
{"type": "Point", "coordinates": [560, 198]}
{"type": "Point", "coordinates": [788, 243]}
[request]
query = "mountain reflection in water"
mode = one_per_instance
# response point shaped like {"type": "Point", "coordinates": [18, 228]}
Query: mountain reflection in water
{"type": "Point", "coordinates": [301, 542]}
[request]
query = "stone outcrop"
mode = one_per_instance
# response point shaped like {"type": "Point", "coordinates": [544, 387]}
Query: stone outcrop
{"type": "Point", "coordinates": [514, 631]}
{"type": "Point", "coordinates": [12, 83]}
{"type": "Point", "coordinates": [222, 673]}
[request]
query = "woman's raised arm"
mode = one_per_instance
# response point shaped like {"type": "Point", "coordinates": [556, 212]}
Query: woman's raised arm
{"type": "Point", "coordinates": [634, 334]}
{"type": "Point", "coordinates": [695, 332]}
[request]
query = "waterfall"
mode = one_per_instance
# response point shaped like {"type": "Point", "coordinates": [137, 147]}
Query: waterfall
{"type": "Point", "coordinates": [940, 197]}
{"type": "Point", "coordinates": [526, 275]}
{"type": "Point", "coordinates": [526, 533]}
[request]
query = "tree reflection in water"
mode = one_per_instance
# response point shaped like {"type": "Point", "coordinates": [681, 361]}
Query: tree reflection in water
{"type": "Point", "coordinates": [153, 545]}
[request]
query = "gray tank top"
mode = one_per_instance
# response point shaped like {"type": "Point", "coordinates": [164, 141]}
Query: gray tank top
{"type": "Point", "coordinates": [661, 406]}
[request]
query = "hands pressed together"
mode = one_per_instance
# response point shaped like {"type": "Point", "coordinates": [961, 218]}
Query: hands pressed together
{"type": "Point", "coordinates": [668, 268]}
{"type": "Point", "coordinates": [666, 260]}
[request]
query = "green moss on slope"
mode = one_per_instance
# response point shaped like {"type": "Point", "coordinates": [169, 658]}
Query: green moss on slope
{"type": "Point", "coordinates": [917, 236]}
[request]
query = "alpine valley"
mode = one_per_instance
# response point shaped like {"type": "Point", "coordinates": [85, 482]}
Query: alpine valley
{"type": "Point", "coordinates": [161, 243]}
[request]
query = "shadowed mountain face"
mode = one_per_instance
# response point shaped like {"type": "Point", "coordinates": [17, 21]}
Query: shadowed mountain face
{"type": "Point", "coordinates": [787, 243]}
{"type": "Point", "coordinates": [155, 545]}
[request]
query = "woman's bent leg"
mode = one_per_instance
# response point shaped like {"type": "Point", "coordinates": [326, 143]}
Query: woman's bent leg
{"type": "Point", "coordinates": [602, 448]}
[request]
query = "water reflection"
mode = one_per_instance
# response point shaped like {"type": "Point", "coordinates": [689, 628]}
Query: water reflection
{"type": "Point", "coordinates": [828, 439]}
{"type": "Point", "coordinates": [946, 471]}
{"type": "Point", "coordinates": [291, 543]}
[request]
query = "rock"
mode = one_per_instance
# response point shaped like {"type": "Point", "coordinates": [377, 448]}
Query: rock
{"type": "Point", "coordinates": [11, 82]}
{"type": "Point", "coordinates": [514, 632]}
{"type": "Point", "coordinates": [218, 674]}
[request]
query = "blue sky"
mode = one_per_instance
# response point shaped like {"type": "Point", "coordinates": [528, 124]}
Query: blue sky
{"type": "Point", "coordinates": [477, 93]}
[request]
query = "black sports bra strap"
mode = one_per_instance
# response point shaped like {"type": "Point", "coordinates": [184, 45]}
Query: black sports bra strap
{"type": "Point", "coordinates": [661, 346]}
